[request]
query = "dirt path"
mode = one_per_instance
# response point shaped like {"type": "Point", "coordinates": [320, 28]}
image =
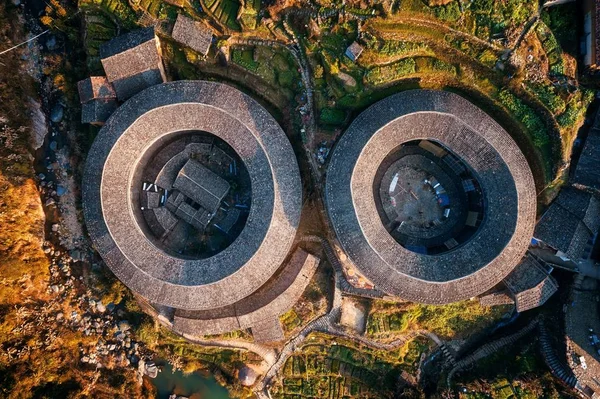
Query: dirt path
{"type": "Point", "coordinates": [328, 324]}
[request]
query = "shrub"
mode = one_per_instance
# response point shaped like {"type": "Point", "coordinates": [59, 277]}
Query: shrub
{"type": "Point", "coordinates": [332, 116]}
{"type": "Point", "coordinates": [576, 108]}
{"type": "Point", "coordinates": [533, 123]}
{"type": "Point", "coordinates": [450, 12]}
{"type": "Point", "coordinates": [389, 73]}
{"type": "Point", "coordinates": [488, 57]}
{"type": "Point", "coordinates": [562, 20]}
{"type": "Point", "coordinates": [403, 48]}
{"type": "Point", "coordinates": [286, 78]}
{"type": "Point", "coordinates": [318, 72]}
{"type": "Point", "coordinates": [239, 58]}
{"type": "Point", "coordinates": [331, 63]}
{"type": "Point", "coordinates": [551, 48]}
{"type": "Point", "coordinates": [548, 95]}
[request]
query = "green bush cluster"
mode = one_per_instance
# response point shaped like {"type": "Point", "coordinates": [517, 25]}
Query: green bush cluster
{"type": "Point", "coordinates": [387, 320]}
{"type": "Point", "coordinates": [290, 320]}
{"type": "Point", "coordinates": [576, 109]}
{"type": "Point", "coordinates": [562, 20]}
{"type": "Point", "coordinates": [487, 18]}
{"type": "Point", "coordinates": [99, 29]}
{"type": "Point", "coordinates": [517, 11]}
{"type": "Point", "coordinates": [336, 371]}
{"type": "Point", "coordinates": [551, 48]}
{"type": "Point", "coordinates": [336, 43]}
{"type": "Point", "coordinates": [331, 116]}
{"type": "Point", "coordinates": [522, 112]}
{"type": "Point", "coordinates": [364, 12]}
{"type": "Point", "coordinates": [152, 6]}
{"type": "Point", "coordinates": [241, 58]}
{"type": "Point", "coordinates": [380, 324]}
{"type": "Point", "coordinates": [249, 15]}
{"type": "Point", "coordinates": [473, 50]}
{"type": "Point", "coordinates": [403, 48]}
{"type": "Point", "coordinates": [549, 96]}
{"type": "Point", "coordinates": [392, 72]}
{"type": "Point", "coordinates": [488, 58]}
{"type": "Point", "coordinates": [275, 66]}
{"type": "Point", "coordinates": [449, 12]}
{"type": "Point", "coordinates": [433, 65]}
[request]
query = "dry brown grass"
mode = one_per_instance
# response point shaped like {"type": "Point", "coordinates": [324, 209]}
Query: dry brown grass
{"type": "Point", "coordinates": [38, 356]}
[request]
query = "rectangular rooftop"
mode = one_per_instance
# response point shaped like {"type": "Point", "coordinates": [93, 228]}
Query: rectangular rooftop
{"type": "Point", "coordinates": [201, 185]}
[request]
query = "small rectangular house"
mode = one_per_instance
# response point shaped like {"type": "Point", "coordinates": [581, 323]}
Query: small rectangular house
{"type": "Point", "coordinates": [133, 62]}
{"type": "Point", "coordinates": [98, 100]}
{"type": "Point", "coordinates": [201, 185]}
{"type": "Point", "coordinates": [193, 34]}
{"type": "Point", "coordinates": [354, 51]}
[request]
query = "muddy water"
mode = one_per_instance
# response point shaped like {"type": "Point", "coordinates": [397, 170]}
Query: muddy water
{"type": "Point", "coordinates": [193, 386]}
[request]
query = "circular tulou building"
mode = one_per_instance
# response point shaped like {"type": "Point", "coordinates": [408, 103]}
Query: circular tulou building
{"type": "Point", "coordinates": [192, 196]}
{"type": "Point", "coordinates": [430, 198]}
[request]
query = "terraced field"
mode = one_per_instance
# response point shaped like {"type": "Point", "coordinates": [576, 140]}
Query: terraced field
{"type": "Point", "coordinates": [225, 11]}
{"type": "Point", "coordinates": [344, 370]}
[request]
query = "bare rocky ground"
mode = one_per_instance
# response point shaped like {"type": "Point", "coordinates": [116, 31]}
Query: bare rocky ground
{"type": "Point", "coordinates": [75, 273]}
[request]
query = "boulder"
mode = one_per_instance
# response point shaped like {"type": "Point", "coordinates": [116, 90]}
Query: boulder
{"type": "Point", "coordinates": [151, 370]}
{"type": "Point", "coordinates": [124, 325]}
{"type": "Point", "coordinates": [247, 376]}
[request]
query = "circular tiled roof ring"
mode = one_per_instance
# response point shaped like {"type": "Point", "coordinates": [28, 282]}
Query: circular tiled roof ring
{"type": "Point", "coordinates": [457, 125]}
{"type": "Point", "coordinates": [152, 116]}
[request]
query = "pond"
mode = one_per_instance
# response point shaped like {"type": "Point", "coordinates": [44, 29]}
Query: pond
{"type": "Point", "coordinates": [194, 386]}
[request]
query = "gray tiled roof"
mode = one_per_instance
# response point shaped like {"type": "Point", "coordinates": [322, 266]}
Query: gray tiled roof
{"type": "Point", "coordinates": [570, 222]}
{"type": "Point", "coordinates": [502, 170]}
{"type": "Point", "coordinates": [95, 87]}
{"type": "Point", "coordinates": [497, 298]}
{"type": "Point", "coordinates": [97, 111]}
{"type": "Point", "coordinates": [274, 298]}
{"type": "Point", "coordinates": [354, 51]}
{"type": "Point", "coordinates": [274, 214]}
{"type": "Point", "coordinates": [527, 275]}
{"type": "Point", "coordinates": [201, 185]}
{"type": "Point", "coordinates": [131, 85]}
{"type": "Point", "coordinates": [530, 284]}
{"type": "Point", "coordinates": [132, 62]}
{"type": "Point", "coordinates": [126, 42]}
{"type": "Point", "coordinates": [193, 34]}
